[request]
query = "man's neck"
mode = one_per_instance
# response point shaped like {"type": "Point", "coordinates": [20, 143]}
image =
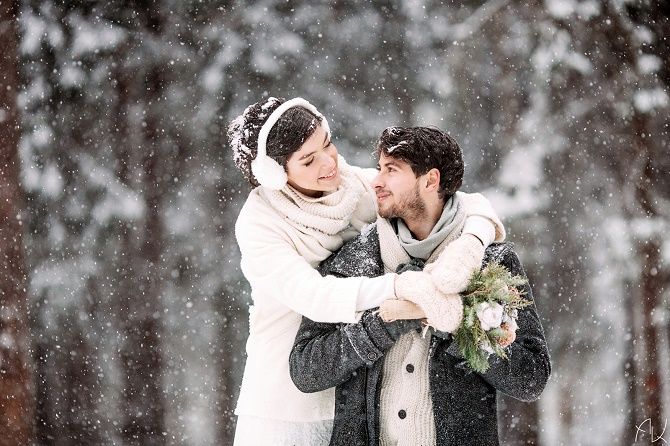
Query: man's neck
{"type": "Point", "coordinates": [421, 225]}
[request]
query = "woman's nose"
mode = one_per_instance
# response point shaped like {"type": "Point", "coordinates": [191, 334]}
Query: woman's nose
{"type": "Point", "coordinates": [327, 161]}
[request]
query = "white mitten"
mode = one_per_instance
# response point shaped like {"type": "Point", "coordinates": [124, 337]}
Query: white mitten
{"type": "Point", "coordinates": [443, 311]}
{"type": "Point", "coordinates": [397, 310]}
{"type": "Point", "coordinates": [452, 270]}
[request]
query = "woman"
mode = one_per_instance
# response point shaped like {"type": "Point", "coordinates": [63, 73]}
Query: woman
{"type": "Point", "coordinates": [306, 203]}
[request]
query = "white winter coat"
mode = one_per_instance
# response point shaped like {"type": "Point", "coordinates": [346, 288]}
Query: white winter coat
{"type": "Point", "coordinates": [279, 261]}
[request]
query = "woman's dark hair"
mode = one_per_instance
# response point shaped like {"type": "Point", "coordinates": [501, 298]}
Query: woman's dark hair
{"type": "Point", "coordinates": [425, 148]}
{"type": "Point", "coordinates": [294, 127]}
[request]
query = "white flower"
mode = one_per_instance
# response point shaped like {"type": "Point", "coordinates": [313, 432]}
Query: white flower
{"type": "Point", "coordinates": [490, 314]}
{"type": "Point", "coordinates": [511, 322]}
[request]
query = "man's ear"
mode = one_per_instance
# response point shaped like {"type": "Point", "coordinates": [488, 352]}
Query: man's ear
{"type": "Point", "coordinates": [432, 180]}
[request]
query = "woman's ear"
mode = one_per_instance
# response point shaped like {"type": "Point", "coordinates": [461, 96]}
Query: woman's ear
{"type": "Point", "coordinates": [432, 180]}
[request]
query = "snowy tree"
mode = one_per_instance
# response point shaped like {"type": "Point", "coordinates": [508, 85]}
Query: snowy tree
{"type": "Point", "coordinates": [16, 398]}
{"type": "Point", "coordinates": [138, 309]}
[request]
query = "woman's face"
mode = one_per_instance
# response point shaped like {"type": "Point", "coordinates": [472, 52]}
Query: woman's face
{"type": "Point", "coordinates": [313, 169]}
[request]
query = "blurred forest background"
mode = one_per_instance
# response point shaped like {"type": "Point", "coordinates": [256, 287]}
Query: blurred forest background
{"type": "Point", "coordinates": [123, 311]}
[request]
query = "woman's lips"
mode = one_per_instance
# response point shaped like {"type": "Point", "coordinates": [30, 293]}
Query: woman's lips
{"type": "Point", "coordinates": [330, 175]}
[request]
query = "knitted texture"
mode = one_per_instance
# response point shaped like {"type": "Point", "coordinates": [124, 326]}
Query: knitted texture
{"type": "Point", "coordinates": [443, 311]}
{"type": "Point", "coordinates": [406, 391]}
{"type": "Point", "coordinates": [451, 220]}
{"type": "Point", "coordinates": [329, 214]}
{"type": "Point", "coordinates": [477, 204]}
{"type": "Point", "coordinates": [278, 257]}
{"type": "Point", "coordinates": [454, 267]}
{"type": "Point", "coordinates": [396, 310]}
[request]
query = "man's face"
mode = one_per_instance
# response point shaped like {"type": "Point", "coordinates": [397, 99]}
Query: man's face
{"type": "Point", "coordinates": [397, 190]}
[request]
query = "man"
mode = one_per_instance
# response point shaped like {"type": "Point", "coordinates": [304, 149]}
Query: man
{"type": "Point", "coordinates": [395, 384]}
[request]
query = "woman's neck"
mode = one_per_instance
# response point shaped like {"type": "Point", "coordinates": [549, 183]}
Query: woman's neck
{"type": "Point", "coordinates": [310, 193]}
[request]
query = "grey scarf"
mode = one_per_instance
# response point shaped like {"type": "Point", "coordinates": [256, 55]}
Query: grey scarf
{"type": "Point", "coordinates": [452, 219]}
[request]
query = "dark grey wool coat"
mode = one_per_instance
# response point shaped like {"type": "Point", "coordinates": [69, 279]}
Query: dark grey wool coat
{"type": "Point", "coordinates": [350, 356]}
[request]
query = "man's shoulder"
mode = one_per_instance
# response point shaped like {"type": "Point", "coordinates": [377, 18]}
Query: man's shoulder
{"type": "Point", "coordinates": [360, 256]}
{"type": "Point", "coordinates": [504, 254]}
{"type": "Point", "coordinates": [495, 252]}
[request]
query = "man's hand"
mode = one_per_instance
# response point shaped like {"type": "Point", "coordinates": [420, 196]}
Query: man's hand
{"type": "Point", "coordinates": [452, 270]}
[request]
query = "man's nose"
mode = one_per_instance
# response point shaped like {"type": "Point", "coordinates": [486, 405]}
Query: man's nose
{"type": "Point", "coordinates": [377, 182]}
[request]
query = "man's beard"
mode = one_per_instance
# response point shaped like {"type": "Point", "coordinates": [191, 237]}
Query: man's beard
{"type": "Point", "coordinates": [410, 206]}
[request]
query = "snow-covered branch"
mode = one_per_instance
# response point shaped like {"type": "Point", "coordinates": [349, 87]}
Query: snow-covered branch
{"type": "Point", "coordinates": [472, 24]}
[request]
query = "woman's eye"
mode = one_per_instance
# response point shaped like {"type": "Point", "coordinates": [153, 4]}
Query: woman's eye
{"type": "Point", "coordinates": [309, 162]}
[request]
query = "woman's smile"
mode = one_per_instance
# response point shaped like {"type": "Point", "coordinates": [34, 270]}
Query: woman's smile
{"type": "Point", "coordinates": [330, 175]}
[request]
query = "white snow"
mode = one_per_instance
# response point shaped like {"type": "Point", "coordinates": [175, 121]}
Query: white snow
{"type": "Point", "coordinates": [212, 76]}
{"type": "Point", "coordinates": [559, 51]}
{"type": "Point", "coordinates": [33, 30]}
{"type": "Point", "coordinates": [71, 76]}
{"type": "Point", "coordinates": [52, 181]}
{"type": "Point", "coordinates": [119, 202]}
{"type": "Point", "coordinates": [648, 63]}
{"type": "Point", "coordinates": [649, 99]}
{"type": "Point", "coordinates": [563, 9]}
{"type": "Point", "coordinates": [90, 39]}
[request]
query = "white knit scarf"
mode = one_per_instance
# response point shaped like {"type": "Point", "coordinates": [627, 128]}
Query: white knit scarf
{"type": "Point", "coordinates": [329, 214]}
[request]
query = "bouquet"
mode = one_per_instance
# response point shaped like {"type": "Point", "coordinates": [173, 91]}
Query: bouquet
{"type": "Point", "coordinates": [490, 308]}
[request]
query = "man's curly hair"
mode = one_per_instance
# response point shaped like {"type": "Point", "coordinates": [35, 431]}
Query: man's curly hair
{"type": "Point", "coordinates": [425, 148]}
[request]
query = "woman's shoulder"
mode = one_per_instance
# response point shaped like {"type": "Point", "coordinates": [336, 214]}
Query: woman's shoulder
{"type": "Point", "coordinates": [253, 205]}
{"type": "Point", "coordinates": [256, 215]}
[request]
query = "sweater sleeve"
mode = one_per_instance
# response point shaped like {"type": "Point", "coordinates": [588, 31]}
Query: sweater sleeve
{"type": "Point", "coordinates": [274, 268]}
{"type": "Point", "coordinates": [477, 204]}
{"type": "Point", "coordinates": [526, 371]}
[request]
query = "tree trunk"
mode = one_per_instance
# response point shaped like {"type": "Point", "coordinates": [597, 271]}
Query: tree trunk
{"type": "Point", "coordinates": [630, 366]}
{"type": "Point", "coordinates": [144, 410]}
{"type": "Point", "coordinates": [650, 286]}
{"type": "Point", "coordinates": [16, 402]}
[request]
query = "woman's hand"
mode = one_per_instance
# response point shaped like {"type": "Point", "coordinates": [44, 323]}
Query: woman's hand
{"type": "Point", "coordinates": [443, 311]}
{"type": "Point", "coordinates": [396, 310]}
{"type": "Point", "coordinates": [452, 270]}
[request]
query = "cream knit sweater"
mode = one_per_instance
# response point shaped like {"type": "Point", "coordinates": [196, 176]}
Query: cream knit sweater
{"type": "Point", "coordinates": [406, 407]}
